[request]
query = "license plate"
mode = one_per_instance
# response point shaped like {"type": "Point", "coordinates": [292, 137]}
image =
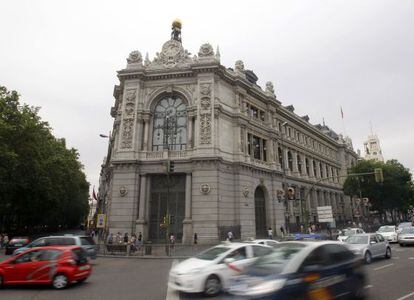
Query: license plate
{"type": "Point", "coordinates": [83, 268]}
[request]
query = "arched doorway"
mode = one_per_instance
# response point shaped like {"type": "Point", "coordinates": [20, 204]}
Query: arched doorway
{"type": "Point", "coordinates": [260, 212]}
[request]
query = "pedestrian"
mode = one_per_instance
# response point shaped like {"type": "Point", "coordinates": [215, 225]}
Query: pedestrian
{"type": "Point", "coordinates": [282, 230]}
{"type": "Point", "coordinates": [302, 229]}
{"type": "Point", "coordinates": [139, 240]}
{"type": "Point", "coordinates": [230, 236]}
{"type": "Point", "coordinates": [309, 229]}
{"type": "Point", "coordinates": [133, 242]}
{"type": "Point", "coordinates": [126, 238]}
{"type": "Point", "coordinates": [270, 233]}
{"type": "Point", "coordinates": [172, 240]}
{"type": "Point", "coordinates": [5, 240]}
{"type": "Point", "coordinates": [118, 238]}
{"type": "Point", "coordinates": [195, 238]}
{"type": "Point", "coordinates": [110, 239]}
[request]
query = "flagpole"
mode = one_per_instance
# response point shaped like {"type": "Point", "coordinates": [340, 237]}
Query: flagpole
{"type": "Point", "coordinates": [343, 122]}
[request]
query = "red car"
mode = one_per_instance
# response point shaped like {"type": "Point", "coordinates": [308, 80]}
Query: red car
{"type": "Point", "coordinates": [56, 265]}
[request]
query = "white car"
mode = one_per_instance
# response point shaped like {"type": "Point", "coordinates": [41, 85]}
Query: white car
{"type": "Point", "coordinates": [345, 233]}
{"type": "Point", "coordinates": [267, 242]}
{"type": "Point", "coordinates": [210, 270]}
{"type": "Point", "coordinates": [389, 233]}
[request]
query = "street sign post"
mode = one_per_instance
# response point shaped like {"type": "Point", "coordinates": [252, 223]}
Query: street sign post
{"type": "Point", "coordinates": [325, 214]}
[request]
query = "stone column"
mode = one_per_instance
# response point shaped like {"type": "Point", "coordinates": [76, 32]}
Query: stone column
{"type": "Point", "coordinates": [295, 162]}
{"type": "Point", "coordinates": [285, 159]}
{"type": "Point", "coordinates": [190, 133]}
{"type": "Point", "coordinates": [311, 171]}
{"type": "Point", "coordinates": [140, 223]}
{"type": "Point", "coordinates": [146, 132]}
{"type": "Point", "coordinates": [303, 158]}
{"type": "Point", "coordinates": [318, 170]}
{"type": "Point", "coordinates": [187, 222]}
{"type": "Point", "coordinates": [270, 151]}
{"type": "Point", "coordinates": [138, 137]}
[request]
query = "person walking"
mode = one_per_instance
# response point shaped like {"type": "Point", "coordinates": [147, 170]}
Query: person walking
{"type": "Point", "coordinates": [195, 238]}
{"type": "Point", "coordinates": [126, 238]}
{"type": "Point", "coordinates": [139, 240]}
{"type": "Point", "coordinates": [118, 238]}
{"type": "Point", "coordinates": [230, 236]}
{"type": "Point", "coordinates": [172, 240]}
{"type": "Point", "coordinates": [110, 239]}
{"type": "Point", "coordinates": [270, 233]}
{"type": "Point", "coordinates": [5, 240]}
{"type": "Point", "coordinates": [133, 242]}
{"type": "Point", "coordinates": [282, 230]}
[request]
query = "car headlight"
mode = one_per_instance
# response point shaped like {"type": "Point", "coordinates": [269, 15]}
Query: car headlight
{"type": "Point", "coordinates": [266, 287]}
{"type": "Point", "coordinates": [194, 271]}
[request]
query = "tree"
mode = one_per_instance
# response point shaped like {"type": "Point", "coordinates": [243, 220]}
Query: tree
{"type": "Point", "coordinates": [396, 193]}
{"type": "Point", "coordinates": [42, 183]}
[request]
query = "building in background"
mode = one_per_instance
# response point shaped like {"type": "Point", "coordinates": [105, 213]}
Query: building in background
{"type": "Point", "coordinates": [372, 148]}
{"type": "Point", "coordinates": [197, 147]}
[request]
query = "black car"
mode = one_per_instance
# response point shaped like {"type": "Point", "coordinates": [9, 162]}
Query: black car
{"type": "Point", "coordinates": [15, 243]}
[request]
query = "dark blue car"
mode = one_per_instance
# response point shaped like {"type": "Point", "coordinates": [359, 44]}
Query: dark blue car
{"type": "Point", "coordinates": [302, 270]}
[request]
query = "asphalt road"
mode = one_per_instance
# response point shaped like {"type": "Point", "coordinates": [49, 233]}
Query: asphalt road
{"type": "Point", "coordinates": [146, 279]}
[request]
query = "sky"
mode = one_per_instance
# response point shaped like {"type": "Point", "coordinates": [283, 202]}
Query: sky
{"type": "Point", "coordinates": [63, 56]}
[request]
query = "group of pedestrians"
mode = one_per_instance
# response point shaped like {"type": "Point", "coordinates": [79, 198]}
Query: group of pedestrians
{"type": "Point", "coordinates": [119, 239]}
{"type": "Point", "coordinates": [4, 239]}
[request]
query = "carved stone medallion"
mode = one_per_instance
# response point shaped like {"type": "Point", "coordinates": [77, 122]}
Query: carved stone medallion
{"type": "Point", "coordinates": [245, 191]}
{"type": "Point", "coordinates": [206, 50]}
{"type": "Point", "coordinates": [171, 55]}
{"type": "Point", "coordinates": [135, 57]}
{"type": "Point", "coordinates": [205, 188]}
{"type": "Point", "coordinates": [123, 191]}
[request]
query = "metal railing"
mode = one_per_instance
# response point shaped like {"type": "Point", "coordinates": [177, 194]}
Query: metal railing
{"type": "Point", "coordinates": [151, 250]}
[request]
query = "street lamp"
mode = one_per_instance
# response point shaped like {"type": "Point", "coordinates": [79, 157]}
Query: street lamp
{"type": "Point", "coordinates": [284, 184]}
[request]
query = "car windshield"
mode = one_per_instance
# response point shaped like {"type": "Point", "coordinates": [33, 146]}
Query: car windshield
{"type": "Point", "coordinates": [278, 258]}
{"type": "Point", "coordinates": [408, 230]}
{"type": "Point", "coordinates": [404, 225]}
{"type": "Point", "coordinates": [348, 232]}
{"type": "Point", "coordinates": [87, 241]}
{"type": "Point", "coordinates": [357, 240]}
{"type": "Point", "coordinates": [386, 229]}
{"type": "Point", "coordinates": [212, 253]}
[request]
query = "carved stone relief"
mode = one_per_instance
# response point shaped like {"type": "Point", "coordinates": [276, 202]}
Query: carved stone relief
{"type": "Point", "coordinates": [173, 54]}
{"type": "Point", "coordinates": [206, 50]}
{"type": "Point", "coordinates": [127, 130]}
{"type": "Point", "coordinates": [135, 57]}
{"type": "Point", "coordinates": [205, 103]}
{"type": "Point", "coordinates": [205, 129]}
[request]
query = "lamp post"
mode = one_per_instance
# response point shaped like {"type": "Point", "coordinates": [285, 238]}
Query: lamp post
{"type": "Point", "coordinates": [286, 212]}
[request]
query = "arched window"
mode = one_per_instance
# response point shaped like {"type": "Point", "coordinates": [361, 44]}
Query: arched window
{"type": "Point", "coordinates": [170, 124]}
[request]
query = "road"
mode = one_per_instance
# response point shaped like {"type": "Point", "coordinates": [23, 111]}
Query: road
{"type": "Point", "coordinates": [130, 278]}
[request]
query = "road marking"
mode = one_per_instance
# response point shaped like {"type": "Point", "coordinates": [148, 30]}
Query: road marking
{"type": "Point", "coordinates": [368, 286]}
{"type": "Point", "coordinates": [411, 258]}
{"type": "Point", "coordinates": [406, 296]}
{"type": "Point", "coordinates": [395, 257]}
{"type": "Point", "coordinates": [171, 293]}
{"type": "Point", "coordinates": [399, 250]}
{"type": "Point", "coordinates": [382, 267]}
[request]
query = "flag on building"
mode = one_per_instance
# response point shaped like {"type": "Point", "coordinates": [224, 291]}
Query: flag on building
{"type": "Point", "coordinates": [342, 113]}
{"type": "Point", "coordinates": [94, 194]}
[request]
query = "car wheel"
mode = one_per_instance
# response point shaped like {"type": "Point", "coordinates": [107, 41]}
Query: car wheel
{"type": "Point", "coordinates": [1, 282]}
{"type": "Point", "coordinates": [402, 245]}
{"type": "Point", "coordinates": [212, 286]}
{"type": "Point", "coordinates": [367, 258]}
{"type": "Point", "coordinates": [60, 281]}
{"type": "Point", "coordinates": [388, 253]}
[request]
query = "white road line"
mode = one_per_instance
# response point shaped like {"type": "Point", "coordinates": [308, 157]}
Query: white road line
{"type": "Point", "coordinates": [406, 296]}
{"type": "Point", "coordinates": [368, 286]}
{"type": "Point", "coordinates": [395, 257]}
{"type": "Point", "coordinates": [382, 267]}
{"type": "Point", "coordinates": [399, 250]}
{"type": "Point", "coordinates": [411, 258]}
{"type": "Point", "coordinates": [172, 294]}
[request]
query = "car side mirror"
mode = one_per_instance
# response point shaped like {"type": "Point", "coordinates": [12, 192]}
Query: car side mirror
{"type": "Point", "coordinates": [229, 260]}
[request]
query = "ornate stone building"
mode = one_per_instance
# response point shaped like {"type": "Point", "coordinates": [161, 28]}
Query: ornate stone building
{"type": "Point", "coordinates": [234, 148]}
{"type": "Point", "coordinates": [372, 148]}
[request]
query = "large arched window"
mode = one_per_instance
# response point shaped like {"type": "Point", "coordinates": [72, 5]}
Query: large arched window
{"type": "Point", "coordinates": [170, 124]}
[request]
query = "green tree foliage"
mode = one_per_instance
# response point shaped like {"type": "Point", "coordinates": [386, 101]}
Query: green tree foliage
{"type": "Point", "coordinates": [395, 193]}
{"type": "Point", "coordinates": [41, 181]}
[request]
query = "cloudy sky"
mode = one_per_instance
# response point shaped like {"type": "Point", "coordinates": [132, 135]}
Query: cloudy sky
{"type": "Point", "coordinates": [63, 56]}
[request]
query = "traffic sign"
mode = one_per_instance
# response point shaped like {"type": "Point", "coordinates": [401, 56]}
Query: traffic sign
{"type": "Point", "coordinates": [325, 214]}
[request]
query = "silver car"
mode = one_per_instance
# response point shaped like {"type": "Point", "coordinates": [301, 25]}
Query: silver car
{"type": "Point", "coordinates": [368, 246]}
{"type": "Point", "coordinates": [406, 236]}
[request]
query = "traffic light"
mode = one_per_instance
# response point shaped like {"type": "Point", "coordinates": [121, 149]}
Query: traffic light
{"type": "Point", "coordinates": [169, 166]}
{"type": "Point", "coordinates": [379, 177]}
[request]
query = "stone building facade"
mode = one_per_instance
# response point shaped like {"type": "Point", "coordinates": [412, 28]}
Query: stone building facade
{"type": "Point", "coordinates": [234, 147]}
